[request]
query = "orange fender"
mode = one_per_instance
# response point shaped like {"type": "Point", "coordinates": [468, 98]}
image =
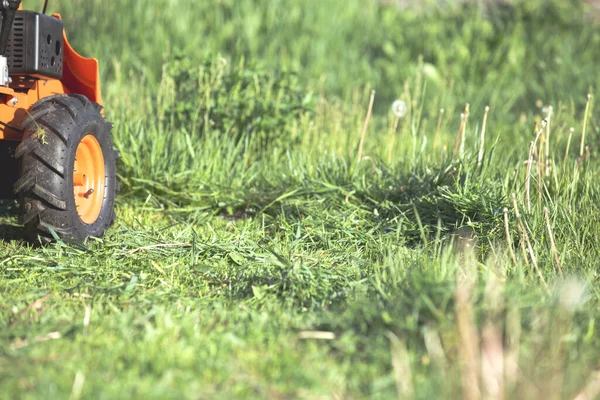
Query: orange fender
{"type": "Point", "coordinates": [81, 75]}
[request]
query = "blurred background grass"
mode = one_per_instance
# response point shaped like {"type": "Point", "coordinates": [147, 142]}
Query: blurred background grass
{"type": "Point", "coordinates": [507, 56]}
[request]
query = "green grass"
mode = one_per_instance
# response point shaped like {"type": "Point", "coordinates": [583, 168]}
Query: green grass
{"type": "Point", "coordinates": [255, 257]}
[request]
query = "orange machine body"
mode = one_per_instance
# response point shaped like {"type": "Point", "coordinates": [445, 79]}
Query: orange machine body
{"type": "Point", "coordinates": [80, 75]}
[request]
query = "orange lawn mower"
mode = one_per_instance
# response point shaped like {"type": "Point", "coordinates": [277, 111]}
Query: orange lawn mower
{"type": "Point", "coordinates": [56, 152]}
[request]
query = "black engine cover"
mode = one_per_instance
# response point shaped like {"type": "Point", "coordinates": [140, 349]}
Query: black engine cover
{"type": "Point", "coordinates": [35, 46]}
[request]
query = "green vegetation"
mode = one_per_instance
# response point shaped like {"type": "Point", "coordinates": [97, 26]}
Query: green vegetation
{"type": "Point", "coordinates": [255, 256]}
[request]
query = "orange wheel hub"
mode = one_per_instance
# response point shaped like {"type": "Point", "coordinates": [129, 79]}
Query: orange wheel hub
{"type": "Point", "coordinates": [89, 179]}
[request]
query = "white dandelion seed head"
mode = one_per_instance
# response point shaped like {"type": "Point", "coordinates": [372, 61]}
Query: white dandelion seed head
{"type": "Point", "coordinates": [548, 110]}
{"type": "Point", "coordinates": [572, 294]}
{"type": "Point", "coordinates": [399, 108]}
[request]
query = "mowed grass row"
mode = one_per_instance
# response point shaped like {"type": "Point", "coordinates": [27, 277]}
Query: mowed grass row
{"type": "Point", "coordinates": [264, 260]}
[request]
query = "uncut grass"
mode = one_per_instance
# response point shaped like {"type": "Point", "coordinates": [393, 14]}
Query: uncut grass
{"type": "Point", "coordinates": [224, 257]}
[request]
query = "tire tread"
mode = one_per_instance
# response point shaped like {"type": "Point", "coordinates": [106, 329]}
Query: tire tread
{"type": "Point", "coordinates": [44, 207]}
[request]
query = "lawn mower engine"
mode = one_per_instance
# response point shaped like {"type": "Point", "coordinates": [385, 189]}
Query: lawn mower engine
{"type": "Point", "coordinates": [35, 46]}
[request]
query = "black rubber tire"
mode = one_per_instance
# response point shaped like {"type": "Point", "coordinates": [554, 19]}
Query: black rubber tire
{"type": "Point", "coordinates": [46, 155]}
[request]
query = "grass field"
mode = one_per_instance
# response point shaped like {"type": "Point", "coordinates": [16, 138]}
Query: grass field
{"type": "Point", "coordinates": [264, 248]}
